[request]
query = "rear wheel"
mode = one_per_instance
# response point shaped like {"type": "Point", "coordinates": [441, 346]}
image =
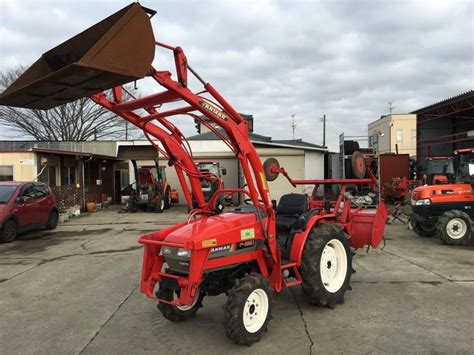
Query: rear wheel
{"type": "Point", "coordinates": [424, 229]}
{"type": "Point", "coordinates": [454, 228]}
{"type": "Point", "coordinates": [160, 205]}
{"type": "Point", "coordinates": [248, 309]}
{"type": "Point", "coordinates": [177, 313]}
{"type": "Point", "coordinates": [326, 266]}
{"type": "Point", "coordinates": [168, 198]}
{"type": "Point", "coordinates": [52, 220]}
{"type": "Point", "coordinates": [8, 232]}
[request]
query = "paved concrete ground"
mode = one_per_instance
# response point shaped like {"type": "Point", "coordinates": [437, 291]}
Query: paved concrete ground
{"type": "Point", "coordinates": [75, 290]}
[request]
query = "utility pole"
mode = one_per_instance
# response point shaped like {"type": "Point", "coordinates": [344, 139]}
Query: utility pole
{"type": "Point", "coordinates": [323, 120]}
{"type": "Point", "coordinates": [391, 107]}
{"type": "Point", "coordinates": [293, 125]}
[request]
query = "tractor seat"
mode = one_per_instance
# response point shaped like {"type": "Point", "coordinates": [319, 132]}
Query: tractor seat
{"type": "Point", "coordinates": [289, 209]}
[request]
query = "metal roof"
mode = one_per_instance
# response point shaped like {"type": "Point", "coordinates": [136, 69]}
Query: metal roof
{"type": "Point", "coordinates": [260, 139]}
{"type": "Point", "coordinates": [449, 101]}
{"type": "Point", "coordinates": [211, 136]}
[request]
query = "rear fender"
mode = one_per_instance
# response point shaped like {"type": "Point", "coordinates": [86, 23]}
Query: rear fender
{"type": "Point", "coordinates": [299, 239]}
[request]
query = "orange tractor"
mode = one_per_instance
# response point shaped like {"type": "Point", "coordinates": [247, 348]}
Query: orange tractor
{"type": "Point", "coordinates": [445, 208]}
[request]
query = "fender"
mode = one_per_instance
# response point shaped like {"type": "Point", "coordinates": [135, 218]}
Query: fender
{"type": "Point", "coordinates": [299, 240]}
{"type": "Point", "coordinates": [165, 186]}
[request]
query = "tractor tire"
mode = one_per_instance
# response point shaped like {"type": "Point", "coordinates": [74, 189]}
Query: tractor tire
{"type": "Point", "coordinates": [454, 228]}
{"type": "Point", "coordinates": [168, 197]}
{"type": "Point", "coordinates": [160, 205]}
{"type": "Point", "coordinates": [8, 232]}
{"type": "Point", "coordinates": [326, 265]}
{"type": "Point", "coordinates": [424, 230]}
{"type": "Point", "coordinates": [52, 222]}
{"type": "Point", "coordinates": [177, 313]}
{"type": "Point", "coordinates": [248, 309]}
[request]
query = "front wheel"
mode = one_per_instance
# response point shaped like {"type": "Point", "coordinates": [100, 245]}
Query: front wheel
{"type": "Point", "coordinates": [177, 313]}
{"type": "Point", "coordinates": [326, 265]}
{"type": "Point", "coordinates": [8, 232]}
{"type": "Point", "coordinates": [168, 198]}
{"type": "Point", "coordinates": [454, 228]}
{"type": "Point", "coordinates": [160, 205]}
{"type": "Point", "coordinates": [424, 229]}
{"type": "Point", "coordinates": [248, 309]}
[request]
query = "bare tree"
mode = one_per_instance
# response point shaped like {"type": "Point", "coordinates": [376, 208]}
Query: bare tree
{"type": "Point", "coordinates": [80, 120]}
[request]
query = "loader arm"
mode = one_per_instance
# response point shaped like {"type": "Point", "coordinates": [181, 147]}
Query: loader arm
{"type": "Point", "coordinates": [100, 59]}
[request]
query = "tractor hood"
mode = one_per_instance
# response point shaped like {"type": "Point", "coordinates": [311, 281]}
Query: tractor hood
{"type": "Point", "coordinates": [428, 191]}
{"type": "Point", "coordinates": [215, 227]}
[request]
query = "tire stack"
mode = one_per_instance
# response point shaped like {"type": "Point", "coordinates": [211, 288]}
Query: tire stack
{"type": "Point", "coordinates": [350, 147]}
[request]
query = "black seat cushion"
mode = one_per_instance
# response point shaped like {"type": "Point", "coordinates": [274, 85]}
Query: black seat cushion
{"type": "Point", "coordinates": [289, 209]}
{"type": "Point", "coordinates": [292, 204]}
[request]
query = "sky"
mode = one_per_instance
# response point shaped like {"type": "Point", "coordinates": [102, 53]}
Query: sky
{"type": "Point", "coordinates": [273, 59]}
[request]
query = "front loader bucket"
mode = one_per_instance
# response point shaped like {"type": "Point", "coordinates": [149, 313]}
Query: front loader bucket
{"type": "Point", "coordinates": [115, 51]}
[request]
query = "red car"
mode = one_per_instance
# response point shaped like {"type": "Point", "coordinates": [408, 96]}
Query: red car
{"type": "Point", "coordinates": [25, 206]}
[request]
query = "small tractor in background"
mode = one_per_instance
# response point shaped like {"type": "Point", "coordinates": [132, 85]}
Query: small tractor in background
{"type": "Point", "coordinates": [210, 186]}
{"type": "Point", "coordinates": [248, 254]}
{"type": "Point", "coordinates": [151, 190]}
{"type": "Point", "coordinates": [154, 191]}
{"type": "Point", "coordinates": [445, 208]}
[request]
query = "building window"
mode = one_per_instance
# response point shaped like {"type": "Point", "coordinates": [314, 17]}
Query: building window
{"type": "Point", "coordinates": [399, 135]}
{"type": "Point", "coordinates": [6, 173]}
{"type": "Point", "coordinates": [413, 133]}
{"type": "Point", "coordinates": [68, 175]}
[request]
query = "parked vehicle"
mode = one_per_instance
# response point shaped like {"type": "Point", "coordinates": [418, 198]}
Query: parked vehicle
{"type": "Point", "coordinates": [445, 211]}
{"type": "Point", "coordinates": [450, 169]}
{"type": "Point", "coordinates": [248, 254]}
{"type": "Point", "coordinates": [445, 206]}
{"type": "Point", "coordinates": [209, 186]}
{"type": "Point", "coordinates": [151, 190]}
{"type": "Point", "coordinates": [25, 206]}
{"type": "Point", "coordinates": [154, 192]}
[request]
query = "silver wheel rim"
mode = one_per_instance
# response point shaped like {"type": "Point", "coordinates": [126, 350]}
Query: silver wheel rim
{"type": "Point", "coordinates": [186, 308]}
{"type": "Point", "coordinates": [162, 204]}
{"type": "Point", "coordinates": [255, 310]}
{"type": "Point", "coordinates": [456, 228]}
{"type": "Point", "coordinates": [333, 265]}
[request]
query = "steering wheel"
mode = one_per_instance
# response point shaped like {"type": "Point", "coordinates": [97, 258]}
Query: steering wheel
{"type": "Point", "coordinates": [248, 201]}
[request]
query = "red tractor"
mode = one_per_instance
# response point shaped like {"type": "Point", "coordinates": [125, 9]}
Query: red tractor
{"type": "Point", "coordinates": [250, 253]}
{"type": "Point", "coordinates": [150, 191]}
{"type": "Point", "coordinates": [154, 191]}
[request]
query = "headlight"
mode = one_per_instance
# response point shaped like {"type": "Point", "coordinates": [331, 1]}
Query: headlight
{"type": "Point", "coordinates": [166, 250]}
{"type": "Point", "coordinates": [184, 253]}
{"type": "Point", "coordinates": [423, 202]}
